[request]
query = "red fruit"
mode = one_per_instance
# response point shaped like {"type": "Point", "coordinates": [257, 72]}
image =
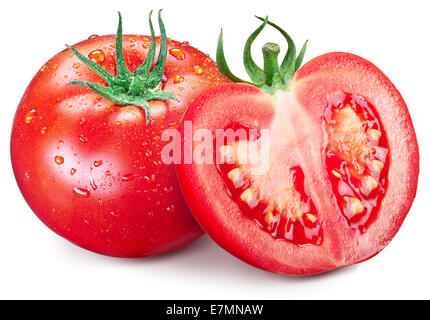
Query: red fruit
{"type": "Point", "coordinates": [341, 167]}
{"type": "Point", "coordinates": [90, 168]}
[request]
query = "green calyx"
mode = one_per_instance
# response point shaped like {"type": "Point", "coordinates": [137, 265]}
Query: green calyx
{"type": "Point", "coordinates": [273, 76]}
{"type": "Point", "coordinates": [131, 88]}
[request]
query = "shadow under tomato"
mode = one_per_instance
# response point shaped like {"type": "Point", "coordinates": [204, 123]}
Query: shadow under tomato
{"type": "Point", "coordinates": [204, 257]}
{"type": "Point", "coordinates": [201, 259]}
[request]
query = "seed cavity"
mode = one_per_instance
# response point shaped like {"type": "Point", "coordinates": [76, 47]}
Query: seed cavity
{"type": "Point", "coordinates": [356, 156]}
{"type": "Point", "coordinates": [295, 221]}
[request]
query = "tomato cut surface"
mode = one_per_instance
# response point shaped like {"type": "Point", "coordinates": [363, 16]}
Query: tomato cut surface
{"type": "Point", "coordinates": [331, 170]}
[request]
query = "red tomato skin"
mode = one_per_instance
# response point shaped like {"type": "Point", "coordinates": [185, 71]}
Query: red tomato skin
{"type": "Point", "coordinates": [220, 217]}
{"type": "Point", "coordinates": [91, 170]}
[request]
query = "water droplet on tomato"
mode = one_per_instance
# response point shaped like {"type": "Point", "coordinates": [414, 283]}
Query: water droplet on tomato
{"type": "Point", "coordinates": [100, 202]}
{"type": "Point", "coordinates": [76, 65]}
{"type": "Point", "coordinates": [43, 130]}
{"type": "Point", "coordinates": [43, 68]}
{"type": "Point", "coordinates": [97, 55]}
{"type": "Point", "coordinates": [173, 125]}
{"type": "Point", "coordinates": [98, 163]}
{"type": "Point", "coordinates": [168, 189]}
{"type": "Point", "coordinates": [186, 43]}
{"type": "Point", "coordinates": [150, 178]}
{"type": "Point", "coordinates": [145, 45]}
{"type": "Point", "coordinates": [127, 177]}
{"type": "Point", "coordinates": [81, 192]}
{"type": "Point", "coordinates": [198, 69]}
{"type": "Point", "coordinates": [93, 183]}
{"type": "Point", "coordinates": [178, 79]}
{"type": "Point", "coordinates": [93, 36]}
{"type": "Point", "coordinates": [72, 171]}
{"type": "Point", "coordinates": [30, 116]}
{"type": "Point", "coordinates": [59, 160]}
{"type": "Point", "coordinates": [83, 139]}
{"type": "Point", "coordinates": [177, 53]}
{"type": "Point", "coordinates": [157, 163]}
{"type": "Point", "coordinates": [108, 173]}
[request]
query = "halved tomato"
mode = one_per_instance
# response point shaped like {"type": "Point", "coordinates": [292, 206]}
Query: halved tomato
{"type": "Point", "coordinates": [331, 161]}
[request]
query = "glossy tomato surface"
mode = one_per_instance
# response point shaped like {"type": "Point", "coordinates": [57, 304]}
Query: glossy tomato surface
{"type": "Point", "coordinates": [91, 170]}
{"type": "Point", "coordinates": [338, 178]}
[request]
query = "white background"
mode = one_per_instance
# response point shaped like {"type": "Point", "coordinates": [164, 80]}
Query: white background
{"type": "Point", "coordinates": [36, 263]}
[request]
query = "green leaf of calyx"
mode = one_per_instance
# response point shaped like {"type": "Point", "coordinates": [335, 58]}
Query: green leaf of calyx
{"type": "Point", "coordinates": [254, 72]}
{"type": "Point", "coordinates": [222, 63]}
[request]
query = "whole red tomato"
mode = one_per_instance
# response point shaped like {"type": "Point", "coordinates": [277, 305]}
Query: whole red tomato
{"type": "Point", "coordinates": [88, 163]}
{"type": "Point", "coordinates": [340, 172]}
